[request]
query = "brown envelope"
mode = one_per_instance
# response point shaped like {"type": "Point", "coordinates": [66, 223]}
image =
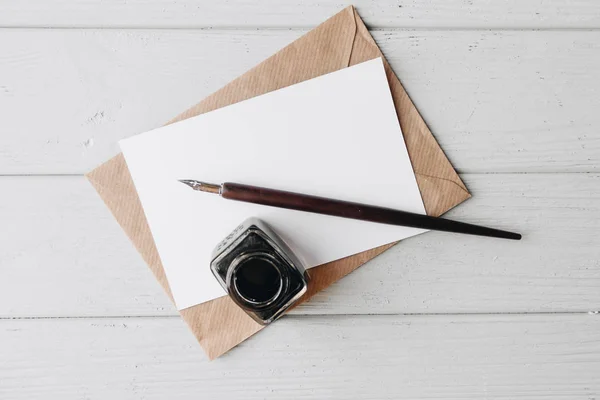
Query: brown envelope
{"type": "Point", "coordinates": [339, 42]}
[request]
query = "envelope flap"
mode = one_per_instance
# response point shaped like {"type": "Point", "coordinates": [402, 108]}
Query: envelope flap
{"type": "Point", "coordinates": [441, 187]}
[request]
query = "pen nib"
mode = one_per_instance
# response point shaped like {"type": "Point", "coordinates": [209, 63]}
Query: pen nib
{"type": "Point", "coordinates": [202, 186]}
{"type": "Point", "coordinates": [190, 183]}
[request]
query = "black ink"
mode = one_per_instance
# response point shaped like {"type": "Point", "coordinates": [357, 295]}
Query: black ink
{"type": "Point", "coordinates": [257, 279]}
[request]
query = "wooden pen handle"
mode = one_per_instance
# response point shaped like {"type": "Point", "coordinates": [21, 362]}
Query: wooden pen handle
{"type": "Point", "coordinates": [345, 209]}
{"type": "Point", "coordinates": [293, 201]}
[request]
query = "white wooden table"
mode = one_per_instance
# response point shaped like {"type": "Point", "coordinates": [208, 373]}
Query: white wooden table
{"type": "Point", "coordinates": [511, 89]}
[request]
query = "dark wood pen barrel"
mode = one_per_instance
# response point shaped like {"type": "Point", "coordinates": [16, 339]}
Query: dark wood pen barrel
{"type": "Point", "coordinates": [296, 201]}
{"type": "Point", "coordinates": [345, 209]}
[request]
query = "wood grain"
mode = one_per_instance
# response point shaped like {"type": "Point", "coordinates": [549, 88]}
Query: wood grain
{"type": "Point", "coordinates": [368, 357]}
{"type": "Point", "coordinates": [493, 99]}
{"type": "Point", "coordinates": [68, 257]}
{"type": "Point", "coordinates": [297, 13]}
{"type": "Point", "coordinates": [501, 96]}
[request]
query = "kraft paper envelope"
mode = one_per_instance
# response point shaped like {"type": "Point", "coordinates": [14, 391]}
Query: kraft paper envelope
{"type": "Point", "coordinates": [339, 42]}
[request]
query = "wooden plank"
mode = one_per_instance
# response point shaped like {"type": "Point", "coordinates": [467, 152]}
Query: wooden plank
{"type": "Point", "coordinates": [296, 13]}
{"type": "Point", "coordinates": [368, 357]}
{"type": "Point", "coordinates": [498, 101]}
{"type": "Point", "coordinates": [64, 255]}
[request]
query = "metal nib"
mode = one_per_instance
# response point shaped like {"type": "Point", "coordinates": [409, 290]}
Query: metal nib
{"type": "Point", "coordinates": [202, 186]}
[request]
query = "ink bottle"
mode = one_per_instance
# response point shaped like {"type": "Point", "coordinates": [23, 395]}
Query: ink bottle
{"type": "Point", "coordinates": [259, 271]}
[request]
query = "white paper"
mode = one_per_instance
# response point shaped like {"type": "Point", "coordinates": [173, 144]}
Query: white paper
{"type": "Point", "coordinates": [335, 136]}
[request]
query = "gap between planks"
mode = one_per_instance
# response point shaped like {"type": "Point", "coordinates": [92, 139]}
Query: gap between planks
{"type": "Point", "coordinates": [345, 315]}
{"type": "Point", "coordinates": [299, 29]}
{"type": "Point", "coordinates": [298, 14]}
{"type": "Point", "coordinates": [39, 175]}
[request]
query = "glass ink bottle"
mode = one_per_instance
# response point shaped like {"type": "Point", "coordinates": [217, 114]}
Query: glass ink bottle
{"type": "Point", "coordinates": [259, 271]}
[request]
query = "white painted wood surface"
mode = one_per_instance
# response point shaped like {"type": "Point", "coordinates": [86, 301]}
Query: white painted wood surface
{"type": "Point", "coordinates": [366, 357]}
{"type": "Point", "coordinates": [511, 90]}
{"type": "Point", "coordinates": [499, 101]}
